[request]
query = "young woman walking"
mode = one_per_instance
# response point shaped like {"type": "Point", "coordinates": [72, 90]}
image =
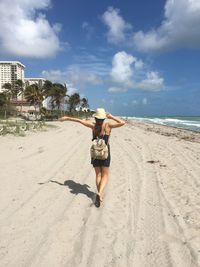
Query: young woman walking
{"type": "Point", "coordinates": [100, 129]}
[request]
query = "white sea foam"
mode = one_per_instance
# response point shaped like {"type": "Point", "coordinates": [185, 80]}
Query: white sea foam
{"type": "Point", "coordinates": [175, 122]}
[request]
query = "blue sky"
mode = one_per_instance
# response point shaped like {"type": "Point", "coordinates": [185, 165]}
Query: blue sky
{"type": "Point", "coordinates": [134, 58]}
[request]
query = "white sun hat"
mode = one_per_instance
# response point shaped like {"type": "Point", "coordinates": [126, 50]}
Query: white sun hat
{"type": "Point", "coordinates": [100, 113]}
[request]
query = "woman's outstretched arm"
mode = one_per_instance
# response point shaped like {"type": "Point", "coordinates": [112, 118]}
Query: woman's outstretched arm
{"type": "Point", "coordinates": [83, 122]}
{"type": "Point", "coordinates": [117, 121]}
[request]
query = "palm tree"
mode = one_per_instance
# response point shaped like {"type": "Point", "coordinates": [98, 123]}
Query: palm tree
{"type": "Point", "coordinates": [46, 91]}
{"type": "Point", "coordinates": [3, 99]}
{"type": "Point", "coordinates": [4, 102]}
{"type": "Point", "coordinates": [57, 94]}
{"type": "Point", "coordinates": [46, 88]}
{"type": "Point", "coordinates": [19, 87]}
{"type": "Point", "coordinates": [13, 88]}
{"type": "Point", "coordinates": [84, 103]}
{"type": "Point", "coordinates": [8, 88]}
{"type": "Point", "coordinates": [73, 101]}
{"type": "Point", "coordinates": [8, 93]}
{"type": "Point", "coordinates": [34, 96]}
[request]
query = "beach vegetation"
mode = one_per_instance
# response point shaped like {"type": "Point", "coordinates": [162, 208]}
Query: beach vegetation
{"type": "Point", "coordinates": [14, 89]}
{"type": "Point", "coordinates": [19, 127]}
{"type": "Point", "coordinates": [20, 86]}
{"type": "Point", "coordinates": [6, 109]}
{"type": "Point", "coordinates": [59, 102]}
{"type": "Point", "coordinates": [73, 101]}
{"type": "Point", "coordinates": [57, 95]}
{"type": "Point", "coordinates": [11, 91]}
{"type": "Point", "coordinates": [33, 94]}
{"type": "Point", "coordinates": [84, 103]}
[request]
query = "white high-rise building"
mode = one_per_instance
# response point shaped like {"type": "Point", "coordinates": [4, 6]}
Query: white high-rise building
{"type": "Point", "coordinates": [10, 72]}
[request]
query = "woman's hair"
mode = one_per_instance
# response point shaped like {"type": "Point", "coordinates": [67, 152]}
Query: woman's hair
{"type": "Point", "coordinates": [97, 127]}
{"type": "Point", "coordinates": [99, 120]}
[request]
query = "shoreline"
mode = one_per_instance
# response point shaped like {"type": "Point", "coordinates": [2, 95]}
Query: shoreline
{"type": "Point", "coordinates": [168, 130]}
{"type": "Point", "coordinates": [184, 127]}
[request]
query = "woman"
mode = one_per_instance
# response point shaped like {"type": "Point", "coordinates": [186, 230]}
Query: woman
{"type": "Point", "coordinates": [100, 129]}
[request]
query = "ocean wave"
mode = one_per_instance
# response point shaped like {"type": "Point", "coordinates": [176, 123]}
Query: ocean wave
{"type": "Point", "coordinates": [175, 122]}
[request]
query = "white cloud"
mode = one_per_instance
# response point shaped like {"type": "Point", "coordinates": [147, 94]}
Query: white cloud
{"type": "Point", "coordinates": [73, 76]}
{"type": "Point", "coordinates": [25, 31]}
{"type": "Point", "coordinates": [116, 25]}
{"type": "Point", "coordinates": [139, 64]}
{"type": "Point", "coordinates": [91, 63]}
{"type": "Point", "coordinates": [121, 68]}
{"type": "Point", "coordinates": [116, 89]}
{"type": "Point", "coordinates": [71, 89]}
{"type": "Point", "coordinates": [80, 77]}
{"type": "Point", "coordinates": [128, 72]}
{"type": "Point", "coordinates": [179, 28]}
{"type": "Point", "coordinates": [153, 82]}
{"type": "Point", "coordinates": [54, 75]}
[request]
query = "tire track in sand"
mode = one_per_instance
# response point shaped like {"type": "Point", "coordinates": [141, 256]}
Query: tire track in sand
{"type": "Point", "coordinates": [149, 249]}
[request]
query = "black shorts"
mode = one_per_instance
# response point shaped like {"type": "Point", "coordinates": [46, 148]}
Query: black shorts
{"type": "Point", "coordinates": [100, 162]}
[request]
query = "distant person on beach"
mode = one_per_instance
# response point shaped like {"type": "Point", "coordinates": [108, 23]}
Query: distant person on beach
{"type": "Point", "coordinates": [100, 130]}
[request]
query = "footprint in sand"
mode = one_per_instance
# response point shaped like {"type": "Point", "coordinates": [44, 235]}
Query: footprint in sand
{"type": "Point", "coordinates": [40, 149]}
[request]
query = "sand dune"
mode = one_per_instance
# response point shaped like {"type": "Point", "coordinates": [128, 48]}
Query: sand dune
{"type": "Point", "coordinates": [150, 215]}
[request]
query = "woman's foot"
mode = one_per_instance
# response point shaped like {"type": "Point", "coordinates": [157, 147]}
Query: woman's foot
{"type": "Point", "coordinates": [97, 201]}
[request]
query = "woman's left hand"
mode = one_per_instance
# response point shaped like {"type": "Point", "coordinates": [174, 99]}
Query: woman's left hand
{"type": "Point", "coordinates": [109, 116]}
{"type": "Point", "coordinates": [62, 119]}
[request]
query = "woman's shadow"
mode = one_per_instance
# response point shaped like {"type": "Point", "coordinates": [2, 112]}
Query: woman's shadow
{"type": "Point", "coordinates": [77, 188]}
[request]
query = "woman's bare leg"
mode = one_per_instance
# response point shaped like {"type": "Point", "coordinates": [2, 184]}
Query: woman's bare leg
{"type": "Point", "coordinates": [104, 180]}
{"type": "Point", "coordinates": [98, 177]}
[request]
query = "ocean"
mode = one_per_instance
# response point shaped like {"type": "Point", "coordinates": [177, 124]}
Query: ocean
{"type": "Point", "coordinates": [189, 123]}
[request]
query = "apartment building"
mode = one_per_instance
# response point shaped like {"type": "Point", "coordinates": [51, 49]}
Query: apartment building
{"type": "Point", "coordinates": [10, 72]}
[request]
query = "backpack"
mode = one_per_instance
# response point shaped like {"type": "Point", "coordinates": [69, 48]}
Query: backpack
{"type": "Point", "coordinates": [99, 149]}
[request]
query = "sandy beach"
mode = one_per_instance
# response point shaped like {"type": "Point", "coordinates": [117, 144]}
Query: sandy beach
{"type": "Point", "coordinates": [151, 211]}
